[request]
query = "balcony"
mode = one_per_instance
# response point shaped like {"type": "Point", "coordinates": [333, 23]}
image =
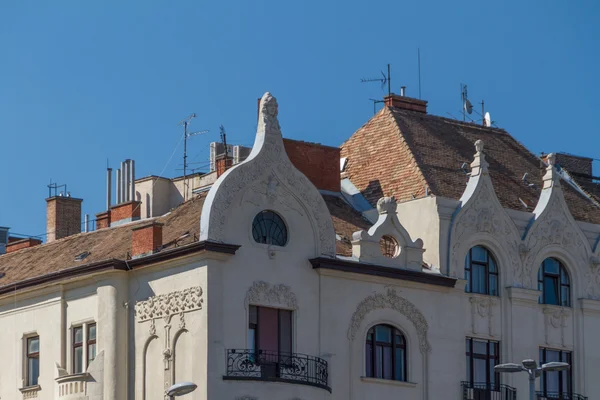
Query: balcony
{"type": "Point", "coordinates": [559, 396]}
{"type": "Point", "coordinates": [272, 366]}
{"type": "Point", "coordinates": [486, 391]}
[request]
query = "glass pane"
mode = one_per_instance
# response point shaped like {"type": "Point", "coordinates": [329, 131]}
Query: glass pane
{"type": "Point", "coordinates": [492, 265]}
{"type": "Point", "coordinates": [478, 279]}
{"type": "Point", "coordinates": [550, 290]}
{"type": "Point", "coordinates": [492, 375]}
{"type": "Point", "coordinates": [251, 339]}
{"type": "Point", "coordinates": [383, 334]}
{"type": "Point", "coordinates": [479, 347]}
{"type": "Point", "coordinates": [478, 253]}
{"type": "Point", "coordinates": [268, 332]}
{"type": "Point", "coordinates": [253, 315]}
{"type": "Point", "coordinates": [387, 363]}
{"type": "Point", "coordinates": [479, 371]}
{"type": "Point", "coordinates": [493, 348]}
{"type": "Point", "coordinates": [399, 365]}
{"type": "Point", "coordinates": [369, 359]}
{"type": "Point", "coordinates": [378, 362]}
{"type": "Point", "coordinates": [33, 345]}
{"type": "Point", "coordinates": [469, 368]}
{"type": "Point", "coordinates": [552, 379]}
{"type": "Point", "coordinates": [494, 285]}
{"type": "Point", "coordinates": [77, 335]}
{"type": "Point", "coordinates": [565, 296]}
{"type": "Point", "coordinates": [564, 276]}
{"type": "Point", "coordinates": [468, 279]}
{"type": "Point", "coordinates": [33, 371]}
{"type": "Point", "coordinates": [370, 335]}
{"type": "Point", "coordinates": [552, 355]}
{"type": "Point", "coordinates": [77, 360]}
{"type": "Point", "coordinates": [551, 266]}
{"type": "Point", "coordinates": [92, 332]}
{"type": "Point", "coordinates": [400, 340]}
{"type": "Point", "coordinates": [91, 352]}
{"type": "Point", "coordinates": [285, 331]}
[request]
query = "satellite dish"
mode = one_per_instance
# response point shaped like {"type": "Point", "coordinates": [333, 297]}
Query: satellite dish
{"type": "Point", "coordinates": [487, 120]}
{"type": "Point", "coordinates": [468, 106]}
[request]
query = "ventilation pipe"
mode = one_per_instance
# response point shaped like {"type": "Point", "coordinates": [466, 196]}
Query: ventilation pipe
{"type": "Point", "coordinates": [122, 182]}
{"type": "Point", "coordinates": [108, 187]}
{"type": "Point", "coordinates": [118, 186]}
{"type": "Point", "coordinates": [132, 179]}
{"type": "Point", "coordinates": [403, 91]}
{"type": "Point", "coordinates": [86, 223]}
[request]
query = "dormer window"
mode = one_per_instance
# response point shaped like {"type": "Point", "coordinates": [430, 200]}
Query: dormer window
{"type": "Point", "coordinates": [268, 228]}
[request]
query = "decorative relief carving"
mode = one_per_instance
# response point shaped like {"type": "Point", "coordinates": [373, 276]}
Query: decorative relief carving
{"type": "Point", "coordinates": [392, 301]}
{"type": "Point", "coordinates": [267, 161]}
{"type": "Point", "coordinates": [268, 191]}
{"type": "Point", "coordinates": [166, 305]}
{"type": "Point", "coordinates": [592, 279]}
{"type": "Point", "coordinates": [556, 317]}
{"type": "Point", "coordinates": [264, 293]}
{"type": "Point", "coordinates": [482, 306]}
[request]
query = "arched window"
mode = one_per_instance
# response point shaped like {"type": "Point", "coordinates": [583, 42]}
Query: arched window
{"type": "Point", "coordinates": [386, 353]}
{"type": "Point", "coordinates": [481, 272]}
{"type": "Point", "coordinates": [269, 228]}
{"type": "Point", "coordinates": [553, 281]}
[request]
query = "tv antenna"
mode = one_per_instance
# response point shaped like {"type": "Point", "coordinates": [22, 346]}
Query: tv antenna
{"type": "Point", "coordinates": [375, 102]}
{"type": "Point", "coordinates": [186, 122]}
{"type": "Point", "coordinates": [384, 79]}
{"type": "Point", "coordinates": [466, 104]}
{"type": "Point", "coordinates": [224, 141]}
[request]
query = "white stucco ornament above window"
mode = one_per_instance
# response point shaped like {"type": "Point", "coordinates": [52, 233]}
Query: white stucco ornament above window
{"type": "Point", "coordinates": [266, 180]}
{"type": "Point", "coordinates": [376, 246]}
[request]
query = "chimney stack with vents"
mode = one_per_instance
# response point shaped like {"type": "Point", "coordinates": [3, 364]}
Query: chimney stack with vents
{"type": "Point", "coordinates": [126, 209]}
{"type": "Point", "coordinates": [63, 217]}
{"type": "Point", "coordinates": [405, 103]}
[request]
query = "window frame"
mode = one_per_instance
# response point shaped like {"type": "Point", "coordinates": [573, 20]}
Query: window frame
{"type": "Point", "coordinates": [90, 342]}
{"type": "Point", "coordinates": [559, 285]}
{"type": "Point", "coordinates": [269, 241]}
{"type": "Point", "coordinates": [84, 344]}
{"type": "Point", "coordinates": [471, 356]}
{"type": "Point", "coordinates": [75, 345]}
{"type": "Point", "coordinates": [394, 346]}
{"type": "Point", "coordinates": [255, 327]}
{"type": "Point", "coordinates": [469, 271]}
{"type": "Point", "coordinates": [564, 356]}
{"type": "Point", "coordinates": [29, 380]}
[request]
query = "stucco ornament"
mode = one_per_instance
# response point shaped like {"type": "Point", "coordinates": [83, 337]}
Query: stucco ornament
{"type": "Point", "coordinates": [392, 301]}
{"type": "Point", "coordinates": [366, 244]}
{"type": "Point", "coordinates": [556, 318]}
{"type": "Point", "coordinates": [482, 307]}
{"type": "Point", "coordinates": [480, 212]}
{"type": "Point", "coordinates": [262, 293]}
{"type": "Point", "coordinates": [553, 224]}
{"type": "Point", "coordinates": [265, 178]}
{"type": "Point", "coordinates": [166, 305]}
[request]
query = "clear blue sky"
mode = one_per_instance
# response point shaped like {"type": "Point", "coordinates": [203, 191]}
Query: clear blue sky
{"type": "Point", "coordinates": [83, 81]}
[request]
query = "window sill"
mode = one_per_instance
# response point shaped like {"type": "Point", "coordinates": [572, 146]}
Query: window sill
{"type": "Point", "coordinates": [388, 382]}
{"type": "Point", "coordinates": [30, 392]}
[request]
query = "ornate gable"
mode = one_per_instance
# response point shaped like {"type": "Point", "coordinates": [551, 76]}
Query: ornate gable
{"type": "Point", "coordinates": [404, 253]}
{"type": "Point", "coordinates": [267, 178]}
{"type": "Point", "coordinates": [481, 220]}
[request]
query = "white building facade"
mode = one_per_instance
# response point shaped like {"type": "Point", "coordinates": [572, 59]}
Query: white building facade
{"type": "Point", "coordinates": [261, 306]}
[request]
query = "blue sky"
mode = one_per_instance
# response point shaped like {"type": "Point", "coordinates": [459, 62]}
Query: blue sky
{"type": "Point", "coordinates": [86, 81]}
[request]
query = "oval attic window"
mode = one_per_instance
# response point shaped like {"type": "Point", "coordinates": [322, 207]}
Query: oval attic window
{"type": "Point", "coordinates": [389, 246]}
{"type": "Point", "coordinates": [268, 228]}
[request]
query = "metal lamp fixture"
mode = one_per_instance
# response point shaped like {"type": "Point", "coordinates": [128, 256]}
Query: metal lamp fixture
{"type": "Point", "coordinates": [532, 369]}
{"type": "Point", "coordinates": [179, 389]}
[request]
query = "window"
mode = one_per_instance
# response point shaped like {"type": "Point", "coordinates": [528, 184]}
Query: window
{"type": "Point", "coordinates": [84, 346]}
{"type": "Point", "coordinates": [270, 330]}
{"type": "Point", "coordinates": [269, 228]}
{"type": "Point", "coordinates": [389, 246]}
{"type": "Point", "coordinates": [33, 360]}
{"type": "Point", "coordinates": [482, 356]}
{"type": "Point", "coordinates": [385, 353]}
{"type": "Point", "coordinates": [481, 272]}
{"type": "Point", "coordinates": [553, 281]}
{"type": "Point", "coordinates": [553, 384]}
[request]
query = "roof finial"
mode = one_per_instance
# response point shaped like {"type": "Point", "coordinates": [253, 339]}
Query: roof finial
{"type": "Point", "coordinates": [551, 177]}
{"type": "Point", "coordinates": [479, 145]}
{"type": "Point", "coordinates": [551, 159]}
{"type": "Point", "coordinates": [387, 205]}
{"type": "Point", "coordinates": [479, 163]}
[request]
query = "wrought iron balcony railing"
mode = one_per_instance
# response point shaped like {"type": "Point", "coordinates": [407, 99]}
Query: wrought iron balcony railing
{"type": "Point", "coordinates": [263, 365]}
{"type": "Point", "coordinates": [559, 396]}
{"type": "Point", "coordinates": [487, 391]}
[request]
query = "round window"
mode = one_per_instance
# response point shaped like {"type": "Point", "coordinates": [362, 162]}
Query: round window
{"type": "Point", "coordinates": [268, 228]}
{"type": "Point", "coordinates": [389, 246]}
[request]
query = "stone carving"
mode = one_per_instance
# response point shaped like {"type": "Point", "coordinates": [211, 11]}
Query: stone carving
{"type": "Point", "coordinates": [264, 293]}
{"type": "Point", "coordinates": [482, 306]}
{"type": "Point", "coordinates": [268, 191]}
{"type": "Point", "coordinates": [266, 162]}
{"type": "Point", "coordinates": [556, 317]}
{"type": "Point", "coordinates": [166, 305]}
{"type": "Point", "coordinates": [181, 321]}
{"type": "Point", "coordinates": [392, 301]}
{"type": "Point", "coordinates": [152, 329]}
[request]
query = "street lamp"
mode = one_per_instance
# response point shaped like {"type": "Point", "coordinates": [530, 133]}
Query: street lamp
{"type": "Point", "coordinates": [531, 367]}
{"type": "Point", "coordinates": [179, 389]}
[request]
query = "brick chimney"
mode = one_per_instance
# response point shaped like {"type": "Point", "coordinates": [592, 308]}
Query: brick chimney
{"type": "Point", "coordinates": [223, 164]}
{"type": "Point", "coordinates": [320, 164]}
{"type": "Point", "coordinates": [63, 217]}
{"type": "Point", "coordinates": [405, 103]}
{"type": "Point", "coordinates": [146, 239]}
{"type": "Point", "coordinates": [22, 244]}
{"type": "Point", "coordinates": [124, 212]}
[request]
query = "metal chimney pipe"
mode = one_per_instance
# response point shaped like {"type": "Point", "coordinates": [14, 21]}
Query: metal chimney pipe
{"type": "Point", "coordinates": [118, 184]}
{"type": "Point", "coordinates": [132, 178]}
{"type": "Point", "coordinates": [86, 224]}
{"type": "Point", "coordinates": [402, 91]}
{"type": "Point", "coordinates": [122, 183]}
{"type": "Point", "coordinates": [126, 181]}
{"type": "Point", "coordinates": [108, 188]}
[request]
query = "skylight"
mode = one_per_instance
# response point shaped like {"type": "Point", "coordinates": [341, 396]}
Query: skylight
{"type": "Point", "coordinates": [82, 256]}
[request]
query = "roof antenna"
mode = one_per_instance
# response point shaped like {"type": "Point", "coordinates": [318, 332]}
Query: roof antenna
{"type": "Point", "coordinates": [384, 79]}
{"type": "Point", "coordinates": [419, 58]}
{"type": "Point", "coordinates": [375, 102]}
{"type": "Point", "coordinates": [224, 140]}
{"type": "Point", "coordinates": [466, 104]}
{"type": "Point", "coordinates": [186, 135]}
